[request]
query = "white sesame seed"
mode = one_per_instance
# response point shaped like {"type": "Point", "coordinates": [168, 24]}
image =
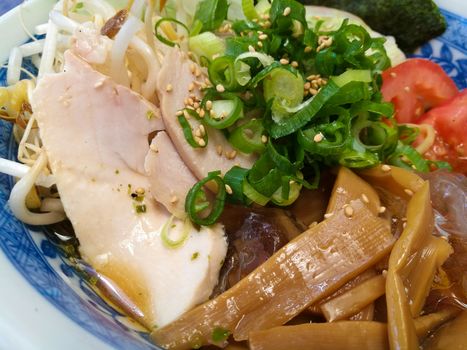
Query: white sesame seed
{"type": "Point", "coordinates": [201, 142]}
{"type": "Point", "coordinates": [202, 113]}
{"type": "Point", "coordinates": [179, 113]}
{"type": "Point", "coordinates": [202, 130]}
{"type": "Point", "coordinates": [365, 198]}
{"type": "Point", "coordinates": [307, 49]}
{"type": "Point", "coordinates": [407, 88]}
{"type": "Point", "coordinates": [251, 48]}
{"type": "Point", "coordinates": [284, 61]}
{"type": "Point", "coordinates": [409, 192]}
{"type": "Point", "coordinates": [385, 168]}
{"type": "Point", "coordinates": [381, 210]}
{"type": "Point", "coordinates": [192, 68]}
{"type": "Point", "coordinates": [191, 87]}
{"type": "Point", "coordinates": [219, 150]}
{"type": "Point", "coordinates": [260, 44]}
{"type": "Point", "coordinates": [314, 223]}
{"type": "Point", "coordinates": [208, 105]}
{"type": "Point", "coordinates": [294, 64]}
{"type": "Point", "coordinates": [186, 114]}
{"type": "Point", "coordinates": [348, 211]}
{"type": "Point", "coordinates": [263, 37]}
{"type": "Point", "coordinates": [313, 91]}
{"type": "Point", "coordinates": [318, 137]}
{"type": "Point", "coordinates": [220, 88]}
{"type": "Point", "coordinates": [393, 74]}
{"type": "Point", "coordinates": [307, 86]}
{"type": "Point", "coordinates": [287, 11]}
{"type": "Point", "coordinates": [228, 189]}
{"type": "Point", "coordinates": [264, 139]}
{"type": "Point", "coordinates": [328, 215]}
{"type": "Point", "coordinates": [169, 88]}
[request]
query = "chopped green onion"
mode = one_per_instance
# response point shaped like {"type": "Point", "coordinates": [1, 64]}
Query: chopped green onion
{"type": "Point", "coordinates": [163, 38]}
{"type": "Point", "coordinates": [211, 13]}
{"type": "Point", "coordinates": [292, 194]}
{"type": "Point", "coordinates": [351, 40]}
{"type": "Point", "coordinates": [285, 88]}
{"type": "Point", "coordinates": [284, 11]}
{"type": "Point", "coordinates": [354, 159]}
{"type": "Point", "coordinates": [235, 178]}
{"type": "Point", "coordinates": [188, 132]}
{"type": "Point", "coordinates": [168, 227]}
{"type": "Point", "coordinates": [249, 9]}
{"type": "Point", "coordinates": [242, 73]}
{"type": "Point", "coordinates": [196, 28]}
{"type": "Point", "coordinates": [225, 112]}
{"type": "Point", "coordinates": [248, 138]}
{"type": "Point", "coordinates": [194, 194]}
{"type": "Point", "coordinates": [281, 162]}
{"type": "Point", "coordinates": [265, 59]}
{"type": "Point", "coordinates": [254, 195]}
{"type": "Point", "coordinates": [302, 117]}
{"type": "Point", "coordinates": [325, 140]}
{"type": "Point", "coordinates": [222, 72]}
{"type": "Point", "coordinates": [206, 44]}
{"type": "Point", "coordinates": [351, 75]}
{"type": "Point", "coordinates": [407, 157]}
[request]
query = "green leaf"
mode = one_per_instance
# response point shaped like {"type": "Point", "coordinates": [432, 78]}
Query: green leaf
{"type": "Point", "coordinates": [211, 13]}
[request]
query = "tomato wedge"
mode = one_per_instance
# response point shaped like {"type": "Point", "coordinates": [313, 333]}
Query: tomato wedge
{"type": "Point", "coordinates": [414, 86]}
{"type": "Point", "coordinates": [450, 122]}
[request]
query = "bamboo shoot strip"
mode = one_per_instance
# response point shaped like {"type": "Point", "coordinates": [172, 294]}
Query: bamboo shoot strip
{"type": "Point", "coordinates": [422, 271]}
{"type": "Point", "coordinates": [417, 231]}
{"type": "Point", "coordinates": [354, 300]}
{"type": "Point", "coordinates": [452, 336]}
{"type": "Point", "coordinates": [365, 275]}
{"type": "Point", "coordinates": [366, 314]}
{"type": "Point", "coordinates": [395, 180]}
{"type": "Point", "coordinates": [348, 187]}
{"type": "Point", "coordinates": [307, 269]}
{"type": "Point", "coordinates": [343, 335]}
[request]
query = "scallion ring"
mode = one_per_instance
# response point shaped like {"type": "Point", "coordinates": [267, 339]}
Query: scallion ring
{"type": "Point", "coordinates": [169, 226]}
{"type": "Point", "coordinates": [164, 39]}
{"type": "Point", "coordinates": [249, 137]}
{"type": "Point", "coordinates": [193, 141]}
{"type": "Point", "coordinates": [216, 207]}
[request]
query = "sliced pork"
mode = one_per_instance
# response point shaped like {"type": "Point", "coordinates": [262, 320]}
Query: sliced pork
{"type": "Point", "coordinates": [169, 177]}
{"type": "Point", "coordinates": [95, 133]}
{"type": "Point", "coordinates": [175, 86]}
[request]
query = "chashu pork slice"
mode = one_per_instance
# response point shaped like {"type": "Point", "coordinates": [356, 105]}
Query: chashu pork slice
{"type": "Point", "coordinates": [169, 177]}
{"type": "Point", "coordinates": [95, 133]}
{"type": "Point", "coordinates": [178, 82]}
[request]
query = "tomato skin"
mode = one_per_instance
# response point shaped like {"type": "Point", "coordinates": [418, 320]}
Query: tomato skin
{"type": "Point", "coordinates": [415, 86]}
{"type": "Point", "coordinates": [450, 122]}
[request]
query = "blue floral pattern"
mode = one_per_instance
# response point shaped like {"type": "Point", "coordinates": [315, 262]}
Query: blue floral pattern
{"type": "Point", "coordinates": [50, 272]}
{"type": "Point", "coordinates": [449, 50]}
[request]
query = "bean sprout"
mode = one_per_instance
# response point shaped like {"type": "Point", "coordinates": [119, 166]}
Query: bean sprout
{"type": "Point", "coordinates": [14, 66]}
{"type": "Point", "coordinates": [121, 43]}
{"type": "Point", "coordinates": [17, 201]}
